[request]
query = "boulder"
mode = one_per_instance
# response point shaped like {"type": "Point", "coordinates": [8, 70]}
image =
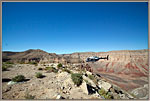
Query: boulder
{"type": "Point", "coordinates": [116, 96]}
{"type": "Point", "coordinates": [105, 85]}
{"type": "Point", "coordinates": [89, 80]}
{"type": "Point", "coordinates": [87, 89]}
{"type": "Point", "coordinates": [88, 73]}
{"type": "Point", "coordinates": [59, 97]}
{"type": "Point", "coordinates": [130, 96]}
{"type": "Point", "coordinates": [84, 87]}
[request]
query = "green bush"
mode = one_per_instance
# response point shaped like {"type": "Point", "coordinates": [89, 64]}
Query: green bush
{"type": "Point", "coordinates": [39, 75]}
{"type": "Point", "coordinates": [66, 70]}
{"type": "Point", "coordinates": [91, 77]}
{"type": "Point", "coordinates": [9, 62]}
{"type": "Point", "coordinates": [105, 94]}
{"type": "Point", "coordinates": [108, 96]}
{"type": "Point", "coordinates": [18, 78]}
{"type": "Point", "coordinates": [59, 65]}
{"type": "Point", "coordinates": [33, 63]}
{"type": "Point", "coordinates": [51, 69]}
{"type": "Point", "coordinates": [77, 78]}
{"type": "Point", "coordinates": [4, 68]}
{"type": "Point", "coordinates": [102, 91]}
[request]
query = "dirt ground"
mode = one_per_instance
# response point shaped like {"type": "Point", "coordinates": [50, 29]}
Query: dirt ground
{"type": "Point", "coordinates": [41, 88]}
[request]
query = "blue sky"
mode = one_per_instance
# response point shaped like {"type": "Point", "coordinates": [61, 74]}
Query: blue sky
{"type": "Point", "coordinates": [68, 27]}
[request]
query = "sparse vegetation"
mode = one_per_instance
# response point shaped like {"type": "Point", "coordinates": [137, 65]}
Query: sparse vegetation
{"type": "Point", "coordinates": [77, 78]}
{"type": "Point", "coordinates": [80, 71]}
{"type": "Point", "coordinates": [51, 69]}
{"type": "Point", "coordinates": [91, 77]}
{"type": "Point", "coordinates": [18, 78]}
{"type": "Point", "coordinates": [4, 68]}
{"type": "Point", "coordinates": [67, 70]}
{"type": "Point", "coordinates": [59, 65]}
{"type": "Point", "coordinates": [39, 75]}
{"type": "Point", "coordinates": [87, 82]}
{"type": "Point", "coordinates": [33, 63]}
{"type": "Point", "coordinates": [21, 62]}
{"type": "Point", "coordinates": [105, 94]}
{"type": "Point", "coordinates": [9, 62]}
{"type": "Point", "coordinates": [6, 65]}
{"type": "Point", "coordinates": [101, 91]}
{"type": "Point", "coordinates": [28, 96]}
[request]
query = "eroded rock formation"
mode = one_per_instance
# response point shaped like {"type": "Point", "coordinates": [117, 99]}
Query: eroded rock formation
{"type": "Point", "coordinates": [128, 62]}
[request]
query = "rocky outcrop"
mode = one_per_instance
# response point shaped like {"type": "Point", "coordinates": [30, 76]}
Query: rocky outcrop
{"type": "Point", "coordinates": [105, 85]}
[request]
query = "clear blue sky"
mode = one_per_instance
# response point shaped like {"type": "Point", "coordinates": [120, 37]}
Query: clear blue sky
{"type": "Point", "coordinates": [74, 27]}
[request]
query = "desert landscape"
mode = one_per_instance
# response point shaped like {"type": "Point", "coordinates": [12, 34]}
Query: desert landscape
{"type": "Point", "coordinates": [75, 50]}
{"type": "Point", "coordinates": [124, 75]}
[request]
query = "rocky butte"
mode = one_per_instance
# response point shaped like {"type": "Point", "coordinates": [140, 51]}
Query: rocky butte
{"type": "Point", "coordinates": [127, 69]}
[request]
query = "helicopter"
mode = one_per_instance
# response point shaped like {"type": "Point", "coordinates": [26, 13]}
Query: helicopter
{"type": "Point", "coordinates": [95, 58]}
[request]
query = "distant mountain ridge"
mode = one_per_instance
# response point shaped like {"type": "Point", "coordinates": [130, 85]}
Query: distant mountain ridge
{"type": "Point", "coordinates": [133, 62]}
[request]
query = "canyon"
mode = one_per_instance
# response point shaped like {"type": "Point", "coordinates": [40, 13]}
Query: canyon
{"type": "Point", "coordinates": [128, 62]}
{"type": "Point", "coordinates": [127, 69]}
